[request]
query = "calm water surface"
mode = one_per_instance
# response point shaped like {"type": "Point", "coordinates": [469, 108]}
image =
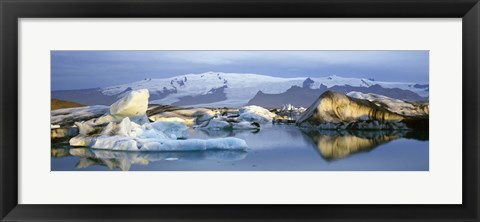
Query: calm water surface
{"type": "Point", "coordinates": [276, 147]}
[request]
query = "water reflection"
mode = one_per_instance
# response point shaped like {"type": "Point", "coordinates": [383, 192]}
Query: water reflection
{"type": "Point", "coordinates": [124, 160]}
{"type": "Point", "coordinates": [333, 145]}
{"type": "Point", "coordinates": [276, 147]}
{"type": "Point", "coordinates": [226, 133]}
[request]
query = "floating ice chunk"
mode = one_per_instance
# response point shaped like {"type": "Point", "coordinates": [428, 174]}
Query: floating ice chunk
{"type": "Point", "coordinates": [245, 125]}
{"type": "Point", "coordinates": [202, 115]}
{"type": "Point", "coordinates": [168, 119]}
{"type": "Point", "coordinates": [115, 143]}
{"type": "Point", "coordinates": [140, 119]}
{"type": "Point", "coordinates": [229, 143]}
{"type": "Point", "coordinates": [127, 127]}
{"type": "Point", "coordinates": [134, 103]}
{"type": "Point", "coordinates": [172, 129]}
{"type": "Point", "coordinates": [84, 128]}
{"type": "Point", "coordinates": [68, 116]}
{"type": "Point", "coordinates": [191, 116]}
{"type": "Point", "coordinates": [110, 129]}
{"type": "Point", "coordinates": [255, 114]}
{"type": "Point", "coordinates": [81, 140]}
{"type": "Point", "coordinates": [107, 118]}
{"type": "Point", "coordinates": [217, 124]}
{"type": "Point", "coordinates": [60, 133]}
{"type": "Point", "coordinates": [147, 131]}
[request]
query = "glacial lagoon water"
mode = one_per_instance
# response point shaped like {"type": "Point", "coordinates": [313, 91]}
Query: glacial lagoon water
{"type": "Point", "coordinates": [273, 148]}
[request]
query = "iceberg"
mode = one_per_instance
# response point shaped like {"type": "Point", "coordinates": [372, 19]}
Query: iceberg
{"type": "Point", "coordinates": [255, 114]}
{"type": "Point", "coordinates": [126, 127]}
{"type": "Point", "coordinates": [126, 143]}
{"type": "Point", "coordinates": [115, 143]}
{"type": "Point", "coordinates": [191, 116]}
{"type": "Point", "coordinates": [216, 124]}
{"type": "Point", "coordinates": [333, 107]}
{"type": "Point", "coordinates": [406, 108]}
{"type": "Point", "coordinates": [333, 110]}
{"type": "Point", "coordinates": [158, 136]}
{"type": "Point", "coordinates": [173, 130]}
{"type": "Point", "coordinates": [68, 116]}
{"type": "Point", "coordinates": [134, 105]}
{"type": "Point", "coordinates": [246, 125]}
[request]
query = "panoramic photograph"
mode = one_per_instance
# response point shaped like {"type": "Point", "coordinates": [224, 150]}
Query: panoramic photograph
{"type": "Point", "coordinates": [239, 110]}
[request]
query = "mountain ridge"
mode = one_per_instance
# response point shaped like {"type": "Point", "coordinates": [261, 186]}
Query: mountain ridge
{"type": "Point", "coordinates": [227, 89]}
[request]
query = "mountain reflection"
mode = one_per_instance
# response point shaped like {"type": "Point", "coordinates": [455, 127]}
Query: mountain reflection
{"type": "Point", "coordinates": [335, 145]}
{"type": "Point", "coordinates": [124, 160]}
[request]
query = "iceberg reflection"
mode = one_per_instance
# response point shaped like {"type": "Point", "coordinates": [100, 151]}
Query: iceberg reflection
{"type": "Point", "coordinates": [334, 145]}
{"type": "Point", "coordinates": [124, 160]}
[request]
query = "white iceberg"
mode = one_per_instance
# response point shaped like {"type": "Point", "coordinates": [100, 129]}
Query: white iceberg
{"type": "Point", "coordinates": [255, 114]}
{"type": "Point", "coordinates": [216, 124]}
{"type": "Point", "coordinates": [127, 143]}
{"type": "Point", "coordinates": [245, 125]}
{"type": "Point", "coordinates": [173, 130]}
{"type": "Point", "coordinates": [158, 136]}
{"type": "Point", "coordinates": [123, 143]}
{"type": "Point", "coordinates": [126, 127]}
{"type": "Point", "coordinates": [82, 141]}
{"type": "Point", "coordinates": [134, 105]}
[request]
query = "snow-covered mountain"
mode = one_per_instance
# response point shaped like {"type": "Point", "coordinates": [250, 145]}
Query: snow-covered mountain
{"type": "Point", "coordinates": [217, 89]}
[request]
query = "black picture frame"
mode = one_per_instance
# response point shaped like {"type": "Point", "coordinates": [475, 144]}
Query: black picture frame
{"type": "Point", "coordinates": [12, 10]}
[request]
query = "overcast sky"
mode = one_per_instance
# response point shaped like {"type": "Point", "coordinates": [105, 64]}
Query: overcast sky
{"type": "Point", "coordinates": [91, 69]}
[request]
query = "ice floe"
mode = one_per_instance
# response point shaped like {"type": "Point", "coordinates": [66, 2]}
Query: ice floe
{"type": "Point", "coordinates": [255, 114]}
{"type": "Point", "coordinates": [126, 128]}
{"type": "Point", "coordinates": [68, 116]}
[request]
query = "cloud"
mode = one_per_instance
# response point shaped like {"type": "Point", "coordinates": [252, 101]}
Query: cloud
{"type": "Point", "coordinates": [88, 69]}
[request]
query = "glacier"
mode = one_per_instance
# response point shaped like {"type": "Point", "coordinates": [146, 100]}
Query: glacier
{"type": "Point", "coordinates": [239, 88]}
